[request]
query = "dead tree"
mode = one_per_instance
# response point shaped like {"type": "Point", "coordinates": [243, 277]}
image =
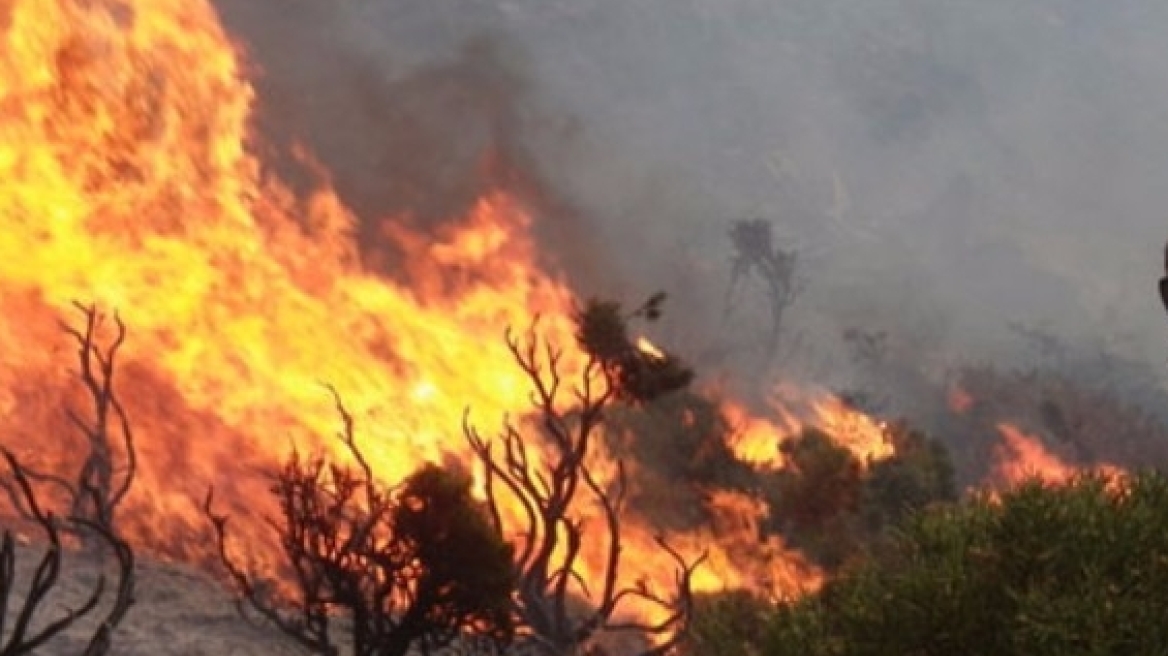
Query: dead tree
{"type": "Point", "coordinates": [21, 637]}
{"type": "Point", "coordinates": [414, 566]}
{"type": "Point", "coordinates": [550, 485]}
{"type": "Point", "coordinates": [99, 484]}
{"type": "Point", "coordinates": [755, 253]}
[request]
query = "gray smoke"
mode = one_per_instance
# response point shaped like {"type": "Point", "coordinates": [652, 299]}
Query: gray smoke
{"type": "Point", "coordinates": [944, 168]}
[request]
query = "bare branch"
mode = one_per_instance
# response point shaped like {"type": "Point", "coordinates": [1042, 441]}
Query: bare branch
{"type": "Point", "coordinates": [20, 640]}
{"type": "Point", "coordinates": [389, 557]}
{"type": "Point", "coordinates": [549, 537]}
{"type": "Point", "coordinates": [98, 486]}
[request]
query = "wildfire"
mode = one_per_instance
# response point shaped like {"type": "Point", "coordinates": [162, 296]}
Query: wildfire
{"type": "Point", "coordinates": [126, 180]}
{"type": "Point", "coordinates": [757, 441]}
{"type": "Point", "coordinates": [1021, 457]}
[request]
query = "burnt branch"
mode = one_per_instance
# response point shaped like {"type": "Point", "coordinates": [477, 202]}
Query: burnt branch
{"type": "Point", "coordinates": [308, 625]}
{"type": "Point", "coordinates": [107, 485]}
{"type": "Point", "coordinates": [102, 640]}
{"type": "Point", "coordinates": [21, 638]}
{"type": "Point", "coordinates": [416, 565]}
{"type": "Point", "coordinates": [551, 483]}
{"type": "Point", "coordinates": [99, 485]}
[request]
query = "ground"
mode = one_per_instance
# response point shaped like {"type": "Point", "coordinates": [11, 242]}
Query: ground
{"type": "Point", "coordinates": [179, 611]}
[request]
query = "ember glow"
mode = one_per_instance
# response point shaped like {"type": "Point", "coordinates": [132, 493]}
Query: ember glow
{"type": "Point", "coordinates": [126, 180]}
{"type": "Point", "coordinates": [649, 348]}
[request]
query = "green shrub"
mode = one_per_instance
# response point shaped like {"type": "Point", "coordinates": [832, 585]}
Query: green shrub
{"type": "Point", "coordinates": [1076, 569]}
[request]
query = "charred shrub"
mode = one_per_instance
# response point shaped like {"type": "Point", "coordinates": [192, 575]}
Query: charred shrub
{"type": "Point", "coordinates": [24, 628]}
{"type": "Point", "coordinates": [637, 375]}
{"type": "Point", "coordinates": [417, 565]}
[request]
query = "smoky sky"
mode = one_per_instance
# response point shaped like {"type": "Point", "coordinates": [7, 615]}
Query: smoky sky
{"type": "Point", "coordinates": [944, 168]}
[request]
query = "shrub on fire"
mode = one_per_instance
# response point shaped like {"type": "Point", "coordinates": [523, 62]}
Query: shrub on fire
{"type": "Point", "coordinates": [829, 504]}
{"type": "Point", "coordinates": [413, 566]}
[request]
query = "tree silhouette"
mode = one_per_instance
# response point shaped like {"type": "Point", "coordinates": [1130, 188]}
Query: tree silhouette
{"type": "Point", "coordinates": [756, 254]}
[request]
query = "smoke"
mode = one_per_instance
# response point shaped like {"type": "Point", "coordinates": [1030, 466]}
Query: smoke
{"type": "Point", "coordinates": [944, 169]}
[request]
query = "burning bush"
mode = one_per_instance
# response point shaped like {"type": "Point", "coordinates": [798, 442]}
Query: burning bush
{"type": "Point", "coordinates": [680, 445]}
{"type": "Point", "coordinates": [637, 373]}
{"type": "Point", "coordinates": [419, 565]}
{"type": "Point", "coordinates": [1082, 425]}
{"type": "Point", "coordinates": [831, 504]}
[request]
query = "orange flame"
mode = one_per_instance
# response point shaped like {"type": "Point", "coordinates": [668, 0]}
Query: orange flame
{"type": "Point", "coordinates": [649, 348]}
{"type": "Point", "coordinates": [758, 441]}
{"type": "Point", "coordinates": [125, 179]}
{"type": "Point", "coordinates": [1021, 457]}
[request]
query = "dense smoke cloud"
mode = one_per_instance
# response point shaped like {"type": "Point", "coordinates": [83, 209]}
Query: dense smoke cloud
{"type": "Point", "coordinates": [944, 169]}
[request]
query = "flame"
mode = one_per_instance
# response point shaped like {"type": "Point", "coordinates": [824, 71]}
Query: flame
{"type": "Point", "coordinates": [126, 179]}
{"type": "Point", "coordinates": [650, 349]}
{"type": "Point", "coordinates": [864, 436]}
{"type": "Point", "coordinates": [1021, 457]}
{"type": "Point", "coordinates": [758, 440]}
{"type": "Point", "coordinates": [773, 568]}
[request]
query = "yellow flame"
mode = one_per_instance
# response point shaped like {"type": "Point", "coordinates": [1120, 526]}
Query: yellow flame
{"type": "Point", "coordinates": [126, 180]}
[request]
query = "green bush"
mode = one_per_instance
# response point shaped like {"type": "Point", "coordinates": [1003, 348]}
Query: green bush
{"type": "Point", "coordinates": [1076, 569]}
{"type": "Point", "coordinates": [726, 624]}
{"type": "Point", "coordinates": [918, 474]}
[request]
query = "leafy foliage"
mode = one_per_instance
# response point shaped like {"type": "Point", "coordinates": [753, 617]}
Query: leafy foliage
{"type": "Point", "coordinates": [814, 499]}
{"type": "Point", "coordinates": [1076, 569]}
{"type": "Point", "coordinates": [727, 623]}
{"type": "Point", "coordinates": [918, 474]}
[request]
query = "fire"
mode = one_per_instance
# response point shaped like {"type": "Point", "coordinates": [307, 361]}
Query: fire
{"type": "Point", "coordinates": [772, 568]}
{"type": "Point", "coordinates": [864, 436]}
{"type": "Point", "coordinates": [1021, 456]}
{"type": "Point", "coordinates": [649, 348]}
{"type": "Point", "coordinates": [757, 441]}
{"type": "Point", "coordinates": [126, 180]}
